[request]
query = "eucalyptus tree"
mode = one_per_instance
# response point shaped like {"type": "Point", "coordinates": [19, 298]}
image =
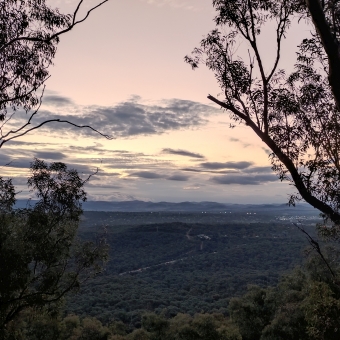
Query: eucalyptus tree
{"type": "Point", "coordinates": [30, 31]}
{"type": "Point", "coordinates": [295, 115]}
{"type": "Point", "coordinates": [40, 260]}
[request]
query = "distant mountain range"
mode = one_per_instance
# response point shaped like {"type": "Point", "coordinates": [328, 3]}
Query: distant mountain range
{"type": "Point", "coordinates": [142, 206]}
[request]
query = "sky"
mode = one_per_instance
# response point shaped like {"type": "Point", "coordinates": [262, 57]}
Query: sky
{"type": "Point", "coordinates": [122, 71]}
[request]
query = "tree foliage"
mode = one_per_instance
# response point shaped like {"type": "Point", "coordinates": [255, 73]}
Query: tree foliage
{"type": "Point", "coordinates": [295, 114]}
{"type": "Point", "coordinates": [29, 36]}
{"type": "Point", "coordinates": [40, 259]}
{"type": "Point", "coordinates": [40, 262]}
{"type": "Point", "coordinates": [304, 305]}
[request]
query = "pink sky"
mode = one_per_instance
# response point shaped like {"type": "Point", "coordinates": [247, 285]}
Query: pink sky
{"type": "Point", "coordinates": [170, 143]}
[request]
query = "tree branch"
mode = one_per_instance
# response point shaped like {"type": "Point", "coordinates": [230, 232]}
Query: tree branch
{"type": "Point", "coordinates": [55, 35]}
{"type": "Point", "coordinates": [315, 245]}
{"type": "Point", "coordinates": [297, 179]}
{"type": "Point", "coordinates": [55, 120]}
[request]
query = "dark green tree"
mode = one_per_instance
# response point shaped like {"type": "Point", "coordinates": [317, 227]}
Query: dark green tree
{"type": "Point", "coordinates": [252, 312]}
{"type": "Point", "coordinates": [40, 259]}
{"type": "Point", "coordinates": [304, 305]}
{"type": "Point", "coordinates": [156, 325]}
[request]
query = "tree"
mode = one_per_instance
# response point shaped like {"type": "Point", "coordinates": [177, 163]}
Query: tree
{"type": "Point", "coordinates": [295, 115]}
{"type": "Point", "coordinates": [29, 35]}
{"type": "Point", "coordinates": [326, 19]}
{"type": "Point", "coordinates": [305, 304]}
{"type": "Point", "coordinates": [40, 262]}
{"type": "Point", "coordinates": [252, 312]}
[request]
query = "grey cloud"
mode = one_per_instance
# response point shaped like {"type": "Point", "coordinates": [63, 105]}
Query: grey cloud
{"type": "Point", "coordinates": [178, 178]}
{"type": "Point", "coordinates": [259, 169]}
{"type": "Point", "coordinates": [86, 149]}
{"type": "Point", "coordinates": [106, 174]}
{"type": "Point", "coordinates": [20, 143]}
{"type": "Point", "coordinates": [226, 165]}
{"type": "Point", "coordinates": [102, 186]}
{"type": "Point", "coordinates": [132, 118]}
{"type": "Point", "coordinates": [15, 162]}
{"type": "Point", "coordinates": [244, 180]}
{"type": "Point", "coordinates": [245, 145]}
{"type": "Point", "coordinates": [146, 174]}
{"type": "Point", "coordinates": [57, 100]}
{"type": "Point", "coordinates": [100, 150]}
{"type": "Point", "coordinates": [182, 153]}
{"type": "Point", "coordinates": [192, 170]}
{"type": "Point", "coordinates": [123, 165]}
{"type": "Point", "coordinates": [54, 155]}
{"type": "Point", "coordinates": [82, 168]}
{"type": "Point", "coordinates": [183, 106]}
{"type": "Point", "coordinates": [25, 162]}
{"type": "Point", "coordinates": [4, 159]}
{"type": "Point", "coordinates": [210, 171]}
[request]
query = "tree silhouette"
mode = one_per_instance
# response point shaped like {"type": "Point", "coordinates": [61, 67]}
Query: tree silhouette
{"type": "Point", "coordinates": [40, 259]}
{"type": "Point", "coordinates": [29, 35]}
{"type": "Point", "coordinates": [295, 115]}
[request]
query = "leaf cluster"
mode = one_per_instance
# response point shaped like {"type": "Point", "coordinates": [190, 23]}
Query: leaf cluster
{"type": "Point", "coordinates": [26, 50]}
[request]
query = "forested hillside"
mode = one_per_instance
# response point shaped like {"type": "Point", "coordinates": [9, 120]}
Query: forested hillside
{"type": "Point", "coordinates": [188, 263]}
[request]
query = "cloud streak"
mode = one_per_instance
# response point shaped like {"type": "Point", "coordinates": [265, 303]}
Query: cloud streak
{"type": "Point", "coordinates": [181, 152]}
{"type": "Point", "coordinates": [226, 165]}
{"type": "Point", "coordinates": [181, 178]}
{"type": "Point", "coordinates": [146, 175]}
{"type": "Point", "coordinates": [50, 155]}
{"type": "Point", "coordinates": [56, 100]}
{"type": "Point", "coordinates": [243, 179]}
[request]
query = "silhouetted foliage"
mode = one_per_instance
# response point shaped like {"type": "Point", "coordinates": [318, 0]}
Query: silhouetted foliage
{"type": "Point", "coordinates": [29, 35]}
{"type": "Point", "coordinates": [295, 115]}
{"type": "Point", "coordinates": [40, 259]}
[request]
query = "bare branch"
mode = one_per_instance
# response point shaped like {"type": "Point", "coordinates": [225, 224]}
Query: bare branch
{"type": "Point", "coordinates": [315, 245]}
{"type": "Point", "coordinates": [59, 121]}
{"type": "Point", "coordinates": [55, 35]}
{"type": "Point", "coordinates": [288, 162]}
{"type": "Point", "coordinates": [279, 34]}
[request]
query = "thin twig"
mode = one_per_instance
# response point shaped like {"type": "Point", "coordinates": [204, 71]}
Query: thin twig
{"type": "Point", "coordinates": [59, 121]}
{"type": "Point", "coordinates": [55, 35]}
{"type": "Point", "coordinates": [315, 245]}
